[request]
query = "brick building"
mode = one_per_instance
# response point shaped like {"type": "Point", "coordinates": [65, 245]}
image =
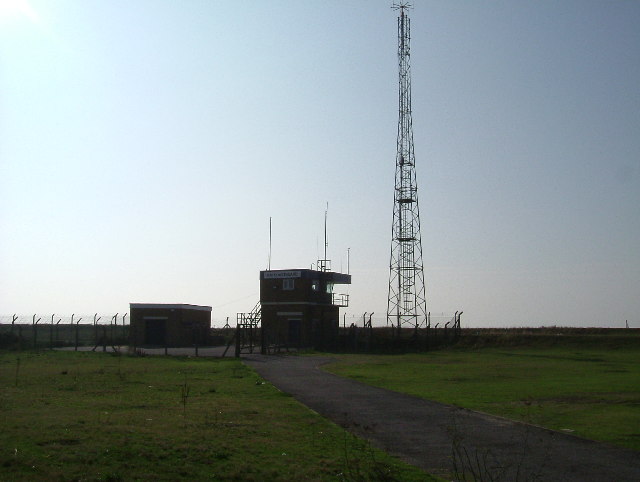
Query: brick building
{"type": "Point", "coordinates": [169, 324]}
{"type": "Point", "coordinates": [299, 307]}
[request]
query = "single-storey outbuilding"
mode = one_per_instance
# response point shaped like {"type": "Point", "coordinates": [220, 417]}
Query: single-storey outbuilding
{"type": "Point", "coordinates": [162, 324]}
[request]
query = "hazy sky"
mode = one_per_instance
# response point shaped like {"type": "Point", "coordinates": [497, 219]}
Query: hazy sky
{"type": "Point", "coordinates": [145, 144]}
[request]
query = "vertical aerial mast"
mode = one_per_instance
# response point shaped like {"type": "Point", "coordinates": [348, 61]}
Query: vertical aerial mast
{"type": "Point", "coordinates": [407, 305]}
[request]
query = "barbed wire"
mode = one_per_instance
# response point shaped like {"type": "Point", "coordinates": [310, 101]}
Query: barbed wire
{"type": "Point", "coordinates": [88, 319]}
{"type": "Point", "coordinates": [380, 321]}
{"type": "Point", "coordinates": [121, 318]}
{"type": "Point", "coordinates": [57, 319]}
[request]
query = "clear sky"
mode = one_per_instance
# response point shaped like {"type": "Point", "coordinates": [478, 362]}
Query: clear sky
{"type": "Point", "coordinates": [145, 144]}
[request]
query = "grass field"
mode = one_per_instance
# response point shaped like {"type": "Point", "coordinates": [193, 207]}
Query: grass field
{"type": "Point", "coordinates": [590, 392]}
{"type": "Point", "coordinates": [94, 416]}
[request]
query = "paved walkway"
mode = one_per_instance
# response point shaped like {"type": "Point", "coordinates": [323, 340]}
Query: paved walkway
{"type": "Point", "coordinates": [206, 351]}
{"type": "Point", "coordinates": [438, 437]}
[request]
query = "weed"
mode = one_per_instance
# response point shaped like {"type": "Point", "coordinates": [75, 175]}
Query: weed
{"type": "Point", "coordinates": [184, 395]}
{"type": "Point", "coordinates": [484, 465]}
{"type": "Point", "coordinates": [360, 461]}
{"type": "Point", "coordinates": [477, 466]}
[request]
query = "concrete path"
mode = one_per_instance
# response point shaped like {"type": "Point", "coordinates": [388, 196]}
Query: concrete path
{"type": "Point", "coordinates": [438, 437]}
{"type": "Point", "coordinates": [204, 351]}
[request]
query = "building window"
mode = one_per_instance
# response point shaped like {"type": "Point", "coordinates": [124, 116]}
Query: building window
{"type": "Point", "coordinates": [315, 285]}
{"type": "Point", "coordinates": [329, 287]}
{"type": "Point", "coordinates": [288, 284]}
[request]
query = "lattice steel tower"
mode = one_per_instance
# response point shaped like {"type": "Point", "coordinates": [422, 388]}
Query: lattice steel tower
{"type": "Point", "coordinates": [407, 303]}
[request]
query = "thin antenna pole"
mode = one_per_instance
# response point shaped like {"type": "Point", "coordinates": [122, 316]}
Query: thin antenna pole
{"type": "Point", "coordinates": [348, 260]}
{"type": "Point", "coordinates": [325, 236]}
{"type": "Point", "coordinates": [269, 266]}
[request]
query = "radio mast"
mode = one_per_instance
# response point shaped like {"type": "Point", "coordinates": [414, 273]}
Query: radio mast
{"type": "Point", "coordinates": [407, 303]}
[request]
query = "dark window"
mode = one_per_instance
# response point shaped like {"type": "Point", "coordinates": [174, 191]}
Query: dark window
{"type": "Point", "coordinates": [288, 284]}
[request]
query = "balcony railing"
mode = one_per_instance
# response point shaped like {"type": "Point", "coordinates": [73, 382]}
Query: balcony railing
{"type": "Point", "coordinates": [339, 299]}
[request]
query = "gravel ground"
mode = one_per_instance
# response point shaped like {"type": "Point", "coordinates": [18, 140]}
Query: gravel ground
{"type": "Point", "coordinates": [438, 437]}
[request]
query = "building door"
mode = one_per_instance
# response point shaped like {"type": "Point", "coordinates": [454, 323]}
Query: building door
{"type": "Point", "coordinates": [155, 331]}
{"type": "Point", "coordinates": [294, 332]}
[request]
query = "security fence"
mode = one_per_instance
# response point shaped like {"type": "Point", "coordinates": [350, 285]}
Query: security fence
{"type": "Point", "coordinates": [101, 332]}
{"type": "Point", "coordinates": [41, 331]}
{"type": "Point", "coordinates": [105, 332]}
{"type": "Point", "coordinates": [368, 334]}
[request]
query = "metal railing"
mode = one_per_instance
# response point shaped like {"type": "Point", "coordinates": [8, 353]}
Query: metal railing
{"type": "Point", "coordinates": [340, 299]}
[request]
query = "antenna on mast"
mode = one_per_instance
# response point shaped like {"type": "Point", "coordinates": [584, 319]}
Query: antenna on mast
{"type": "Point", "coordinates": [401, 6]}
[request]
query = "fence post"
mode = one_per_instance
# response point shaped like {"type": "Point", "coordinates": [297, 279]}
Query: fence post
{"type": "Point", "coordinates": [237, 341]}
{"type": "Point", "coordinates": [57, 323]}
{"type": "Point", "coordinates": [426, 338]}
{"type": "Point", "coordinates": [113, 320]}
{"type": "Point", "coordinates": [124, 328]}
{"type": "Point", "coordinates": [77, 328]}
{"type": "Point", "coordinates": [355, 338]}
{"type": "Point", "coordinates": [76, 344]}
{"type": "Point", "coordinates": [35, 332]}
{"type": "Point", "coordinates": [95, 329]}
{"type": "Point", "coordinates": [51, 333]}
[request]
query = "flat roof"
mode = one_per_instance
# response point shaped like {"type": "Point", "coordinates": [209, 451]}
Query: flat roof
{"type": "Point", "coordinates": [168, 306]}
{"type": "Point", "coordinates": [331, 276]}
